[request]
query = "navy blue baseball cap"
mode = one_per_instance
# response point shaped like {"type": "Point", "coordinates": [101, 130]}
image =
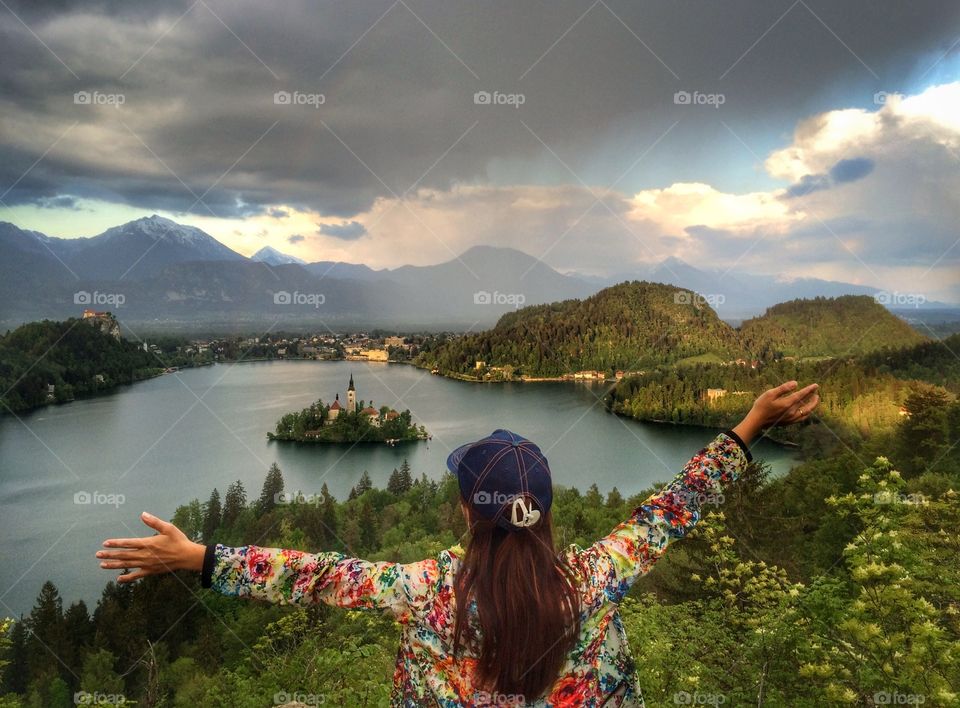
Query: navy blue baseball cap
{"type": "Point", "coordinates": [499, 474]}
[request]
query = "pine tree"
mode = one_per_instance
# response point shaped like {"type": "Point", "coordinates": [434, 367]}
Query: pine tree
{"type": "Point", "coordinates": [272, 489]}
{"type": "Point", "coordinates": [394, 486]}
{"type": "Point", "coordinates": [369, 531]}
{"type": "Point", "coordinates": [614, 499]}
{"type": "Point", "coordinates": [362, 486]}
{"type": "Point", "coordinates": [924, 431]}
{"type": "Point", "coordinates": [400, 480]}
{"type": "Point", "coordinates": [15, 672]}
{"type": "Point", "coordinates": [328, 515]}
{"type": "Point", "coordinates": [46, 629]}
{"type": "Point", "coordinates": [212, 512]}
{"type": "Point", "coordinates": [234, 503]}
{"type": "Point", "coordinates": [78, 631]}
{"type": "Point", "coordinates": [406, 478]}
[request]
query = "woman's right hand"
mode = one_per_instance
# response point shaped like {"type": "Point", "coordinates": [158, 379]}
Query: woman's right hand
{"type": "Point", "coordinates": [164, 552]}
{"type": "Point", "coordinates": [783, 405]}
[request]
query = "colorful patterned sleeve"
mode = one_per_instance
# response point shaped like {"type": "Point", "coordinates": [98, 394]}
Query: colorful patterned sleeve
{"type": "Point", "coordinates": [609, 567]}
{"type": "Point", "coordinates": [286, 577]}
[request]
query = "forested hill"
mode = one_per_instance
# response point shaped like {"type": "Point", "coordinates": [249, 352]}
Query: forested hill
{"type": "Point", "coordinates": [850, 324]}
{"type": "Point", "coordinates": [628, 326]}
{"type": "Point", "coordinates": [77, 359]}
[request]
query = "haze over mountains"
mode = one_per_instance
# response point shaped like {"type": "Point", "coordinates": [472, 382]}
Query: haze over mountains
{"type": "Point", "coordinates": [153, 270]}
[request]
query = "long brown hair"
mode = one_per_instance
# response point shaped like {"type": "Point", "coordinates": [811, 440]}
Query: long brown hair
{"type": "Point", "coordinates": [527, 607]}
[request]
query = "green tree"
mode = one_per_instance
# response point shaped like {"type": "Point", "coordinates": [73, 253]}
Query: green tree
{"type": "Point", "coordinates": [212, 513]}
{"type": "Point", "coordinates": [47, 638]}
{"type": "Point", "coordinates": [234, 503]}
{"type": "Point", "coordinates": [400, 480]}
{"type": "Point", "coordinates": [13, 656]}
{"type": "Point", "coordinates": [98, 674]}
{"type": "Point", "coordinates": [363, 485]}
{"type": "Point", "coordinates": [892, 628]}
{"type": "Point", "coordinates": [924, 431]}
{"type": "Point", "coordinates": [272, 489]}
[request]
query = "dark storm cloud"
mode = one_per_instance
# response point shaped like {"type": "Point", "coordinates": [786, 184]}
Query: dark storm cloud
{"type": "Point", "coordinates": [851, 170]}
{"type": "Point", "coordinates": [199, 117]}
{"type": "Point", "coordinates": [348, 230]}
{"type": "Point", "coordinates": [844, 172]}
{"type": "Point", "coordinates": [62, 202]}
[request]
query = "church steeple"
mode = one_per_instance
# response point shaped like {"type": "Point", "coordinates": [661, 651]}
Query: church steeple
{"type": "Point", "coordinates": [351, 396]}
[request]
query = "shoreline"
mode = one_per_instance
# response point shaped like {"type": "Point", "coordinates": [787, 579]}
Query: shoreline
{"type": "Point", "coordinates": [102, 392]}
{"type": "Point", "coordinates": [657, 421]}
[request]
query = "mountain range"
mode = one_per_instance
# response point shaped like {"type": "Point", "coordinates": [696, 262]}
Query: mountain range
{"type": "Point", "coordinates": [154, 270]}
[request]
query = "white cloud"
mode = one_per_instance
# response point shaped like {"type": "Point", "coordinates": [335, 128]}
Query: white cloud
{"type": "Point", "coordinates": [893, 227]}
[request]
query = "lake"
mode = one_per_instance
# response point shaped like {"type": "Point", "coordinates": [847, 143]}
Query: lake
{"type": "Point", "coordinates": [160, 443]}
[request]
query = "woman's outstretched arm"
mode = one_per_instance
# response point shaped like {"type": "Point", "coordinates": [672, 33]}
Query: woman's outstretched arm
{"type": "Point", "coordinates": [275, 575]}
{"type": "Point", "coordinates": [610, 566]}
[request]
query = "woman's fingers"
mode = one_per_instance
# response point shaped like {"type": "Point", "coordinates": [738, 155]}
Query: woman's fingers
{"type": "Point", "coordinates": [158, 525]}
{"type": "Point", "coordinates": [804, 392]}
{"type": "Point", "coordinates": [784, 388]}
{"type": "Point", "coordinates": [125, 542]}
{"type": "Point", "coordinates": [122, 555]}
{"type": "Point", "coordinates": [146, 554]}
{"type": "Point", "coordinates": [130, 577]}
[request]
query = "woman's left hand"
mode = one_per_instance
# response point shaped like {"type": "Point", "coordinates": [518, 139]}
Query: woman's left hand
{"type": "Point", "coordinates": [165, 552]}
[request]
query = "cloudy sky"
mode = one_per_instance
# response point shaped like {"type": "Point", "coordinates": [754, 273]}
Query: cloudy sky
{"type": "Point", "coordinates": [796, 137]}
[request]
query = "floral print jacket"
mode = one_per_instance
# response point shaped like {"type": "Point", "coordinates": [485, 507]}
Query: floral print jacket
{"type": "Point", "coordinates": [599, 670]}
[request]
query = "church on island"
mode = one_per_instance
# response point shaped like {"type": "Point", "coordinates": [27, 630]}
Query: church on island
{"type": "Point", "coordinates": [373, 415]}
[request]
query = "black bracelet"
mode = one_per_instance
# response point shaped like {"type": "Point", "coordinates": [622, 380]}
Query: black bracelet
{"type": "Point", "coordinates": [739, 441]}
{"type": "Point", "coordinates": [209, 558]}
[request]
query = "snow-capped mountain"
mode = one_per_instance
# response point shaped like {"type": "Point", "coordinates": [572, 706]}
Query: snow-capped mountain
{"type": "Point", "coordinates": [136, 249]}
{"type": "Point", "coordinates": [271, 256]}
{"type": "Point", "coordinates": [169, 272]}
{"type": "Point", "coordinates": [145, 246]}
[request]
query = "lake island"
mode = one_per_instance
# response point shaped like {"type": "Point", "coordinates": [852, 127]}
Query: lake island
{"type": "Point", "coordinates": [348, 422]}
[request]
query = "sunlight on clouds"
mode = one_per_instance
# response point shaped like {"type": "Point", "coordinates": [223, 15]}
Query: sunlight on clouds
{"type": "Point", "coordinates": [939, 104]}
{"type": "Point", "coordinates": [687, 204]}
{"type": "Point", "coordinates": [819, 139]}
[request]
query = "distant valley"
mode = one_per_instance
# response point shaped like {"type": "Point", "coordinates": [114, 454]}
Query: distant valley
{"type": "Point", "coordinates": [158, 272]}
